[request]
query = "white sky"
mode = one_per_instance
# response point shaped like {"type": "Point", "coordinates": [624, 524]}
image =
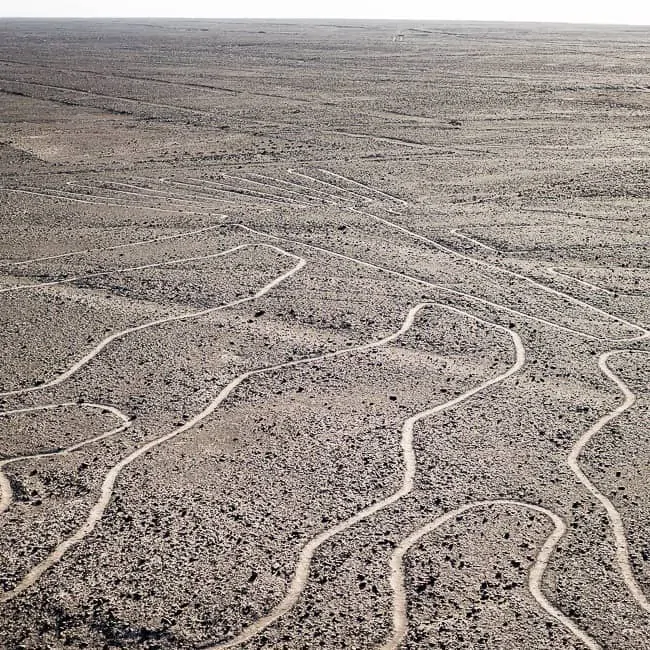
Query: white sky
{"type": "Point", "coordinates": [633, 12]}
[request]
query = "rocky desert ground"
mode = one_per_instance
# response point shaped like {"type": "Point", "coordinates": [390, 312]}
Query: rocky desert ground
{"type": "Point", "coordinates": [324, 335]}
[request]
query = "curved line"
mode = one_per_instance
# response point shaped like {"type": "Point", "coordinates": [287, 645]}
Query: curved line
{"type": "Point", "coordinates": [440, 287]}
{"type": "Point", "coordinates": [400, 618]}
{"type": "Point", "coordinates": [109, 480]}
{"type": "Point", "coordinates": [75, 367]}
{"type": "Point", "coordinates": [301, 574]}
{"type": "Point", "coordinates": [181, 260]}
{"type": "Point", "coordinates": [141, 242]}
{"type": "Point", "coordinates": [615, 520]}
{"type": "Point", "coordinates": [6, 492]}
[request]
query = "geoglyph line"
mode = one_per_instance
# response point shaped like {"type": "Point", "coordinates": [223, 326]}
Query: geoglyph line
{"type": "Point", "coordinates": [168, 319]}
{"type": "Point", "coordinates": [615, 520]}
{"type": "Point", "coordinates": [442, 288]}
{"type": "Point", "coordinates": [203, 190]}
{"type": "Point", "coordinates": [180, 260]}
{"type": "Point", "coordinates": [104, 203]}
{"type": "Point", "coordinates": [301, 574]}
{"type": "Point", "coordinates": [301, 195]}
{"type": "Point", "coordinates": [397, 580]}
{"type": "Point", "coordinates": [494, 267]}
{"type": "Point", "coordinates": [141, 242]}
{"type": "Point", "coordinates": [594, 287]}
{"type": "Point", "coordinates": [5, 486]}
{"type": "Point", "coordinates": [476, 242]}
{"type": "Point", "coordinates": [306, 191]}
{"type": "Point", "coordinates": [142, 195]}
{"type": "Point", "coordinates": [109, 481]}
{"type": "Point", "coordinates": [386, 195]}
{"type": "Point", "coordinates": [223, 187]}
{"type": "Point", "coordinates": [313, 179]}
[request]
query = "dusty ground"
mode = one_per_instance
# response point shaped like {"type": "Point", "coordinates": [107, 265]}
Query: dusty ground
{"type": "Point", "coordinates": [319, 336]}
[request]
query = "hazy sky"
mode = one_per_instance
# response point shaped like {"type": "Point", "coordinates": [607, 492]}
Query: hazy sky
{"type": "Point", "coordinates": [592, 11]}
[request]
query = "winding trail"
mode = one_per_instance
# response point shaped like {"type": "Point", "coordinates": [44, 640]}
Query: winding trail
{"type": "Point", "coordinates": [75, 367]}
{"type": "Point", "coordinates": [480, 262]}
{"type": "Point", "coordinates": [5, 486]}
{"type": "Point", "coordinates": [109, 480]}
{"type": "Point", "coordinates": [301, 574]}
{"type": "Point", "coordinates": [397, 580]}
{"type": "Point", "coordinates": [615, 520]}
{"type": "Point", "coordinates": [141, 242]}
{"type": "Point", "coordinates": [442, 288]}
{"type": "Point", "coordinates": [154, 265]}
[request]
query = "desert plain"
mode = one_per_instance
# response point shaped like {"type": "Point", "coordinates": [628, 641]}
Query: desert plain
{"type": "Point", "coordinates": [324, 335]}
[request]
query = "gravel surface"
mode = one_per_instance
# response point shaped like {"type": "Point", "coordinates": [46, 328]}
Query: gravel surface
{"type": "Point", "coordinates": [321, 335]}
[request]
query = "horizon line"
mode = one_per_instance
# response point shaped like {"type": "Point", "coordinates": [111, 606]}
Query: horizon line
{"type": "Point", "coordinates": [338, 18]}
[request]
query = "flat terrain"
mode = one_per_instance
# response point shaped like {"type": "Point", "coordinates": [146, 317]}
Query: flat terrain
{"type": "Point", "coordinates": [321, 335]}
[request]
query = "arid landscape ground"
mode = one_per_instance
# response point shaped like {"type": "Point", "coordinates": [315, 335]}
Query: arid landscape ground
{"type": "Point", "coordinates": [324, 335]}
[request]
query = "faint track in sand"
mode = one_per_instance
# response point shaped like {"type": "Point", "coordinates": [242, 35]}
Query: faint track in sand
{"type": "Point", "coordinates": [109, 481]}
{"type": "Point", "coordinates": [476, 242]}
{"type": "Point", "coordinates": [397, 579]}
{"type": "Point", "coordinates": [442, 288]}
{"type": "Point", "coordinates": [645, 333]}
{"type": "Point", "coordinates": [594, 287]}
{"type": "Point", "coordinates": [5, 486]}
{"type": "Point", "coordinates": [615, 520]}
{"type": "Point", "coordinates": [301, 574]}
{"type": "Point", "coordinates": [71, 196]}
{"type": "Point", "coordinates": [154, 265]}
{"type": "Point", "coordinates": [312, 190]}
{"type": "Point", "coordinates": [160, 194]}
{"type": "Point", "coordinates": [200, 189]}
{"type": "Point", "coordinates": [244, 191]}
{"type": "Point", "coordinates": [386, 195]}
{"type": "Point", "coordinates": [161, 321]}
{"type": "Point", "coordinates": [141, 242]}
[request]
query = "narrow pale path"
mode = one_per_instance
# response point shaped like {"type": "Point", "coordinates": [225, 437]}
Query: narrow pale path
{"type": "Point", "coordinates": [5, 486]}
{"type": "Point", "coordinates": [397, 580]}
{"type": "Point", "coordinates": [301, 574]}
{"type": "Point", "coordinates": [142, 242]}
{"type": "Point", "coordinates": [480, 262]}
{"type": "Point", "coordinates": [75, 367]}
{"type": "Point", "coordinates": [594, 287]}
{"type": "Point", "coordinates": [476, 242]}
{"type": "Point", "coordinates": [442, 288]}
{"type": "Point", "coordinates": [109, 481]}
{"type": "Point", "coordinates": [615, 520]}
{"type": "Point", "coordinates": [142, 267]}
